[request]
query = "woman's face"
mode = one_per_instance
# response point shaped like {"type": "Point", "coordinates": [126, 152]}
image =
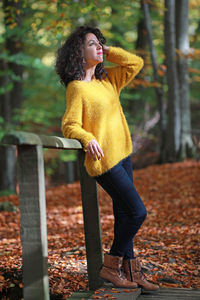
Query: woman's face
{"type": "Point", "coordinates": [92, 50]}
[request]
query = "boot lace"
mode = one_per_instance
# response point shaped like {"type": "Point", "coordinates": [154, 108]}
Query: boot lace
{"type": "Point", "coordinates": [121, 273]}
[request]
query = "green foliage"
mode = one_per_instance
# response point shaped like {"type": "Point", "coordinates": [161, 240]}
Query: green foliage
{"type": "Point", "coordinates": [4, 128]}
{"type": "Point", "coordinates": [6, 193]}
{"type": "Point", "coordinates": [6, 88]}
{"type": "Point", "coordinates": [46, 101]}
{"type": "Point", "coordinates": [69, 155]}
{"type": "Point", "coordinates": [52, 163]}
{"type": "Point", "coordinates": [8, 206]}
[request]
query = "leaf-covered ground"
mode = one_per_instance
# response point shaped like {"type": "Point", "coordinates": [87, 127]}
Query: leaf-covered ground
{"type": "Point", "coordinates": [167, 243]}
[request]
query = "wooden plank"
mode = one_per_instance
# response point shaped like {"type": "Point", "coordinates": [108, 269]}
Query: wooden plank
{"type": "Point", "coordinates": [33, 222]}
{"type": "Point", "coordinates": [172, 294]}
{"type": "Point", "coordinates": [167, 297]}
{"type": "Point", "coordinates": [117, 293]}
{"type": "Point", "coordinates": [91, 225]}
{"type": "Point", "coordinates": [81, 295]}
{"type": "Point", "coordinates": [28, 138]}
{"type": "Point", "coordinates": [184, 291]}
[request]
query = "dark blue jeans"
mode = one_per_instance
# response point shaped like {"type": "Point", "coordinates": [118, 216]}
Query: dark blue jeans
{"type": "Point", "coordinates": [129, 210]}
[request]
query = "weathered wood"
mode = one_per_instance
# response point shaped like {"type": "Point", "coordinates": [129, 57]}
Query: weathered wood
{"type": "Point", "coordinates": [33, 215]}
{"type": "Point", "coordinates": [81, 295]}
{"type": "Point", "coordinates": [91, 225]}
{"type": "Point", "coordinates": [28, 138]}
{"type": "Point", "coordinates": [33, 222]}
{"type": "Point", "coordinates": [172, 294]}
{"type": "Point", "coordinates": [118, 293]}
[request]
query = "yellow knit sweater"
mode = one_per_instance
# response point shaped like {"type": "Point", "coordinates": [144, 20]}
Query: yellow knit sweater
{"type": "Point", "coordinates": [94, 112]}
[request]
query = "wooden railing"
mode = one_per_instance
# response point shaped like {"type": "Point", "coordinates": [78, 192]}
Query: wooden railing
{"type": "Point", "coordinates": [33, 211]}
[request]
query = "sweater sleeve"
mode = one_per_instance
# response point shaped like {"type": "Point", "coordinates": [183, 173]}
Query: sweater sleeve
{"type": "Point", "coordinates": [72, 119]}
{"type": "Point", "coordinates": [129, 66]}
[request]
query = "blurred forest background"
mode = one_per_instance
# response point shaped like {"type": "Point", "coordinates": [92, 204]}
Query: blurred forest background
{"type": "Point", "coordinates": [162, 103]}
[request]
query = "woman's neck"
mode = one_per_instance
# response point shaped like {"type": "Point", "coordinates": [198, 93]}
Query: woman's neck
{"type": "Point", "coordinates": [89, 73]}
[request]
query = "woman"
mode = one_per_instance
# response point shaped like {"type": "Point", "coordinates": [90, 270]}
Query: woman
{"type": "Point", "coordinates": [94, 116]}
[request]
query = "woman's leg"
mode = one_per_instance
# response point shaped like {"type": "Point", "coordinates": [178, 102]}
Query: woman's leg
{"type": "Point", "coordinates": [127, 165]}
{"type": "Point", "coordinates": [129, 210]}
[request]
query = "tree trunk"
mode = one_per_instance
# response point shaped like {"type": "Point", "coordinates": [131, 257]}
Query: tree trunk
{"type": "Point", "coordinates": [8, 168]}
{"type": "Point", "coordinates": [174, 120]}
{"type": "Point", "coordinates": [182, 44]}
{"type": "Point", "coordinates": [13, 45]}
{"type": "Point", "coordinates": [7, 154]}
{"type": "Point", "coordinates": [12, 99]}
{"type": "Point", "coordinates": [140, 47]}
{"type": "Point", "coordinates": [5, 106]}
{"type": "Point", "coordinates": [142, 40]}
{"type": "Point", "coordinates": [158, 90]}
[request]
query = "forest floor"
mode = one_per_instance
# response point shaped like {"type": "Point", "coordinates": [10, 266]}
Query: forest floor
{"type": "Point", "coordinates": [167, 243]}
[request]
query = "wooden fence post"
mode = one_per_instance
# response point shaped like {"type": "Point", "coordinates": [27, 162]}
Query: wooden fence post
{"type": "Point", "coordinates": [33, 222]}
{"type": "Point", "coordinates": [91, 225]}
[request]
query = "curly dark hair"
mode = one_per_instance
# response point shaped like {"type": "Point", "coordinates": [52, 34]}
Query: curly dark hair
{"type": "Point", "coordinates": [69, 61]}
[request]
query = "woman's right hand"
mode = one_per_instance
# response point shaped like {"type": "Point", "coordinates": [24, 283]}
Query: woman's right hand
{"type": "Point", "coordinates": [94, 150]}
{"type": "Point", "coordinates": [105, 49]}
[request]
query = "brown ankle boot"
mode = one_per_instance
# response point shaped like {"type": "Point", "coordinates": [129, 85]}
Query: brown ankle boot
{"type": "Point", "coordinates": [133, 271]}
{"type": "Point", "coordinates": [112, 272]}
